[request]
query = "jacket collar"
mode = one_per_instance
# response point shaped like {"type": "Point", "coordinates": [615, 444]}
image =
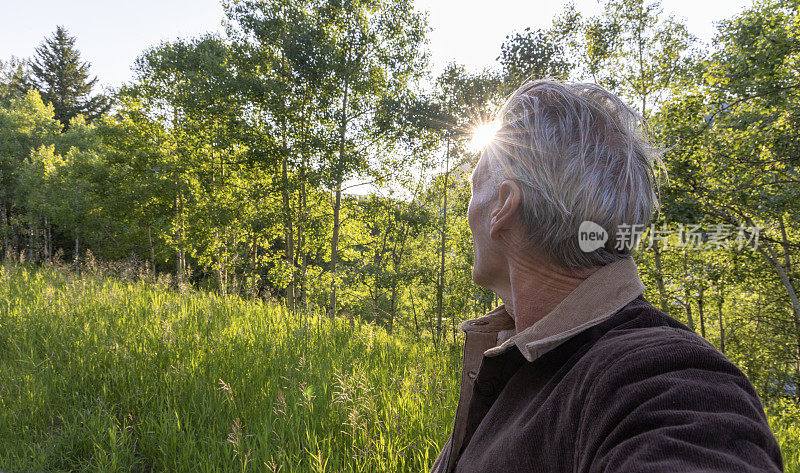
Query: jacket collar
{"type": "Point", "coordinates": [596, 299]}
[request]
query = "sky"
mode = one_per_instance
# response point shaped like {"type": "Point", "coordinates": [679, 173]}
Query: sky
{"type": "Point", "coordinates": [111, 34]}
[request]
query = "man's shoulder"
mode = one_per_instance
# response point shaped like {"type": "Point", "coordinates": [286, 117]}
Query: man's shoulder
{"type": "Point", "coordinates": [638, 346]}
{"type": "Point", "coordinates": [650, 380]}
{"type": "Point", "coordinates": [641, 335]}
{"type": "Point", "coordinates": [639, 325]}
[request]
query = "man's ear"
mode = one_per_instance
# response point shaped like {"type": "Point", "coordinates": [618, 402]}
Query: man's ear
{"type": "Point", "coordinates": [507, 205]}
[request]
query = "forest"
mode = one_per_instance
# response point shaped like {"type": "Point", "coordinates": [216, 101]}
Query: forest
{"type": "Point", "coordinates": [308, 158]}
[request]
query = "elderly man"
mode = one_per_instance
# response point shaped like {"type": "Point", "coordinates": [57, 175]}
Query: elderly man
{"type": "Point", "coordinates": [577, 371]}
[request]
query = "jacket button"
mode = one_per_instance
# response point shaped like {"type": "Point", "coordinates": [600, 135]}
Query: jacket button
{"type": "Point", "coordinates": [472, 375]}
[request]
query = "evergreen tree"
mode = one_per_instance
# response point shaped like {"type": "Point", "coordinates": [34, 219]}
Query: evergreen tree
{"type": "Point", "coordinates": [15, 79]}
{"type": "Point", "coordinates": [63, 79]}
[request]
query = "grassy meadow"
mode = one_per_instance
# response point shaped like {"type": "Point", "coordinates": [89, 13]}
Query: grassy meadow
{"type": "Point", "coordinates": [106, 374]}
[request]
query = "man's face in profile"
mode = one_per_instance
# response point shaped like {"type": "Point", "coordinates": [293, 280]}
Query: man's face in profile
{"type": "Point", "coordinates": [482, 206]}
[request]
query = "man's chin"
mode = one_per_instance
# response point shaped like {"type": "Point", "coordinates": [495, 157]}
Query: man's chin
{"type": "Point", "coordinates": [479, 279]}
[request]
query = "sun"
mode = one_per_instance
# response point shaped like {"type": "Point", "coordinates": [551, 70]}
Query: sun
{"type": "Point", "coordinates": [482, 135]}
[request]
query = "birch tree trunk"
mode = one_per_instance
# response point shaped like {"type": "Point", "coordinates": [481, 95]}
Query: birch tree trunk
{"type": "Point", "coordinates": [337, 203]}
{"type": "Point", "coordinates": [76, 254]}
{"type": "Point", "coordinates": [6, 225]}
{"type": "Point", "coordinates": [288, 232]}
{"type": "Point", "coordinates": [152, 248]}
{"type": "Point", "coordinates": [720, 301]}
{"type": "Point", "coordinates": [442, 249]}
{"type": "Point", "coordinates": [662, 290]}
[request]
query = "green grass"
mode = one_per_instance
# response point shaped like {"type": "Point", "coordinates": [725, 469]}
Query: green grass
{"type": "Point", "coordinates": [98, 374]}
{"type": "Point", "coordinates": [784, 419]}
{"type": "Point", "coordinates": [101, 374]}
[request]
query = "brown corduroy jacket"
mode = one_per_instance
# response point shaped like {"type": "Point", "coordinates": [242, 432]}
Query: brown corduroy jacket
{"type": "Point", "coordinates": [605, 382]}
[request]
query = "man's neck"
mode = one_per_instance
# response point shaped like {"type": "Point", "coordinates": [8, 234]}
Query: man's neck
{"type": "Point", "coordinates": [536, 287]}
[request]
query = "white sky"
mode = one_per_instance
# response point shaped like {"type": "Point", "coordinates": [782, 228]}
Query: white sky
{"type": "Point", "coordinates": [111, 34]}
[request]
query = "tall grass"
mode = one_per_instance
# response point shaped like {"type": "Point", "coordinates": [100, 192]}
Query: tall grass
{"type": "Point", "coordinates": [108, 375]}
{"type": "Point", "coordinates": [784, 419]}
{"type": "Point", "coordinates": [98, 374]}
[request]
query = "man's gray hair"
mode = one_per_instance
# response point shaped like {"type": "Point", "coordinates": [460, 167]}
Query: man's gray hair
{"type": "Point", "coordinates": [579, 154]}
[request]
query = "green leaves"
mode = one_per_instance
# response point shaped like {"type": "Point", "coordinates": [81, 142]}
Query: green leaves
{"type": "Point", "coordinates": [533, 54]}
